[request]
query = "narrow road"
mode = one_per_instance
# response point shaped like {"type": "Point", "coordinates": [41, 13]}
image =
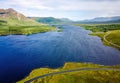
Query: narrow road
{"type": "Point", "coordinates": [109, 41]}
{"type": "Point", "coordinates": [67, 71]}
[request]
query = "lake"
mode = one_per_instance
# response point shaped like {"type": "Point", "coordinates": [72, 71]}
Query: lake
{"type": "Point", "coordinates": [20, 54]}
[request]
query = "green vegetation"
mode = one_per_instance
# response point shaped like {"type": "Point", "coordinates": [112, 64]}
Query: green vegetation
{"type": "Point", "coordinates": [21, 27]}
{"type": "Point", "coordinates": [102, 29]}
{"type": "Point", "coordinates": [85, 76]}
{"type": "Point", "coordinates": [60, 27]}
{"type": "Point", "coordinates": [51, 20]}
{"type": "Point", "coordinates": [12, 22]}
{"type": "Point", "coordinates": [25, 30]}
{"type": "Point", "coordinates": [2, 22]}
{"type": "Point", "coordinates": [113, 37]}
{"type": "Point", "coordinates": [46, 20]}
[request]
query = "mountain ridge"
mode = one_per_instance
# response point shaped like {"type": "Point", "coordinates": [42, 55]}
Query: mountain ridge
{"type": "Point", "coordinates": [12, 17]}
{"type": "Point", "coordinates": [114, 19]}
{"type": "Point", "coordinates": [51, 20]}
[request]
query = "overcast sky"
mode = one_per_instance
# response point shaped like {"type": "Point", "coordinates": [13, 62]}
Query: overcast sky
{"type": "Point", "coordinates": [73, 9]}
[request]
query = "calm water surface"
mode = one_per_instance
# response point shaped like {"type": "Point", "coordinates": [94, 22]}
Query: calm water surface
{"type": "Point", "coordinates": [20, 54]}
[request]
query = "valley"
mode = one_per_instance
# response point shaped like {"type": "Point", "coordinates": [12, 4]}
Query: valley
{"type": "Point", "coordinates": [58, 49]}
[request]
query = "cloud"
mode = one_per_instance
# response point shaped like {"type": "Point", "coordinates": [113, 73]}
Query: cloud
{"type": "Point", "coordinates": [66, 4]}
{"type": "Point", "coordinates": [77, 7]}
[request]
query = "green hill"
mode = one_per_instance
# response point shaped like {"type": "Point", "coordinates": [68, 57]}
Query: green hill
{"type": "Point", "coordinates": [85, 76]}
{"type": "Point", "coordinates": [101, 20]}
{"type": "Point", "coordinates": [14, 18]}
{"type": "Point", "coordinates": [103, 29]}
{"type": "Point", "coordinates": [12, 22]}
{"type": "Point", "coordinates": [113, 37]}
{"type": "Point", "coordinates": [51, 20]}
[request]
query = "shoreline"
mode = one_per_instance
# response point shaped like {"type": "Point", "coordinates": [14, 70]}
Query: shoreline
{"type": "Point", "coordinates": [68, 68]}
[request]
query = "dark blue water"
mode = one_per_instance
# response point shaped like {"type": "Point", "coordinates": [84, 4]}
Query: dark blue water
{"type": "Point", "coordinates": [20, 54]}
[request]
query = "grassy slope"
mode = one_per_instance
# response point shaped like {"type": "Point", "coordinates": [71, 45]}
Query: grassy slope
{"type": "Point", "coordinates": [11, 21]}
{"type": "Point", "coordinates": [102, 29]}
{"type": "Point", "coordinates": [114, 37]}
{"type": "Point", "coordinates": [13, 26]}
{"type": "Point", "coordinates": [101, 76]}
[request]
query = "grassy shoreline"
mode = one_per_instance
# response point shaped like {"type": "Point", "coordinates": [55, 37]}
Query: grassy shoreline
{"type": "Point", "coordinates": [86, 76]}
{"type": "Point", "coordinates": [24, 30]}
{"type": "Point", "coordinates": [102, 29]}
{"type": "Point", "coordinates": [22, 27]}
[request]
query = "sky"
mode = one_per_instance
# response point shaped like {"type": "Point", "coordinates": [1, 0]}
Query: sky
{"type": "Point", "coordinates": [72, 9]}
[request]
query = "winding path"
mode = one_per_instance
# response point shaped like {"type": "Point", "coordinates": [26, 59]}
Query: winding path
{"type": "Point", "coordinates": [109, 41]}
{"type": "Point", "coordinates": [66, 71]}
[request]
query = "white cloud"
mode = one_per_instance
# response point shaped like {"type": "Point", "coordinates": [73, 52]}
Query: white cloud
{"type": "Point", "coordinates": [67, 4]}
{"type": "Point", "coordinates": [97, 7]}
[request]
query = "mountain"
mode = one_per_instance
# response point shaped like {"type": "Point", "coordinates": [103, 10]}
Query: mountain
{"type": "Point", "coordinates": [13, 22]}
{"type": "Point", "coordinates": [105, 19]}
{"type": "Point", "coordinates": [115, 19]}
{"type": "Point", "coordinates": [51, 20]}
{"type": "Point", "coordinates": [66, 20]}
{"type": "Point", "coordinates": [13, 17]}
{"type": "Point", "coordinates": [47, 20]}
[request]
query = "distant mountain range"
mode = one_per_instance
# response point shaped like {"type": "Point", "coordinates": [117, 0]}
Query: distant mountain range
{"type": "Point", "coordinates": [12, 17]}
{"type": "Point", "coordinates": [115, 19]}
{"type": "Point", "coordinates": [51, 20]}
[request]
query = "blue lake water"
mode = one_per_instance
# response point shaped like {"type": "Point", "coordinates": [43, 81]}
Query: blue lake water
{"type": "Point", "coordinates": [20, 54]}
